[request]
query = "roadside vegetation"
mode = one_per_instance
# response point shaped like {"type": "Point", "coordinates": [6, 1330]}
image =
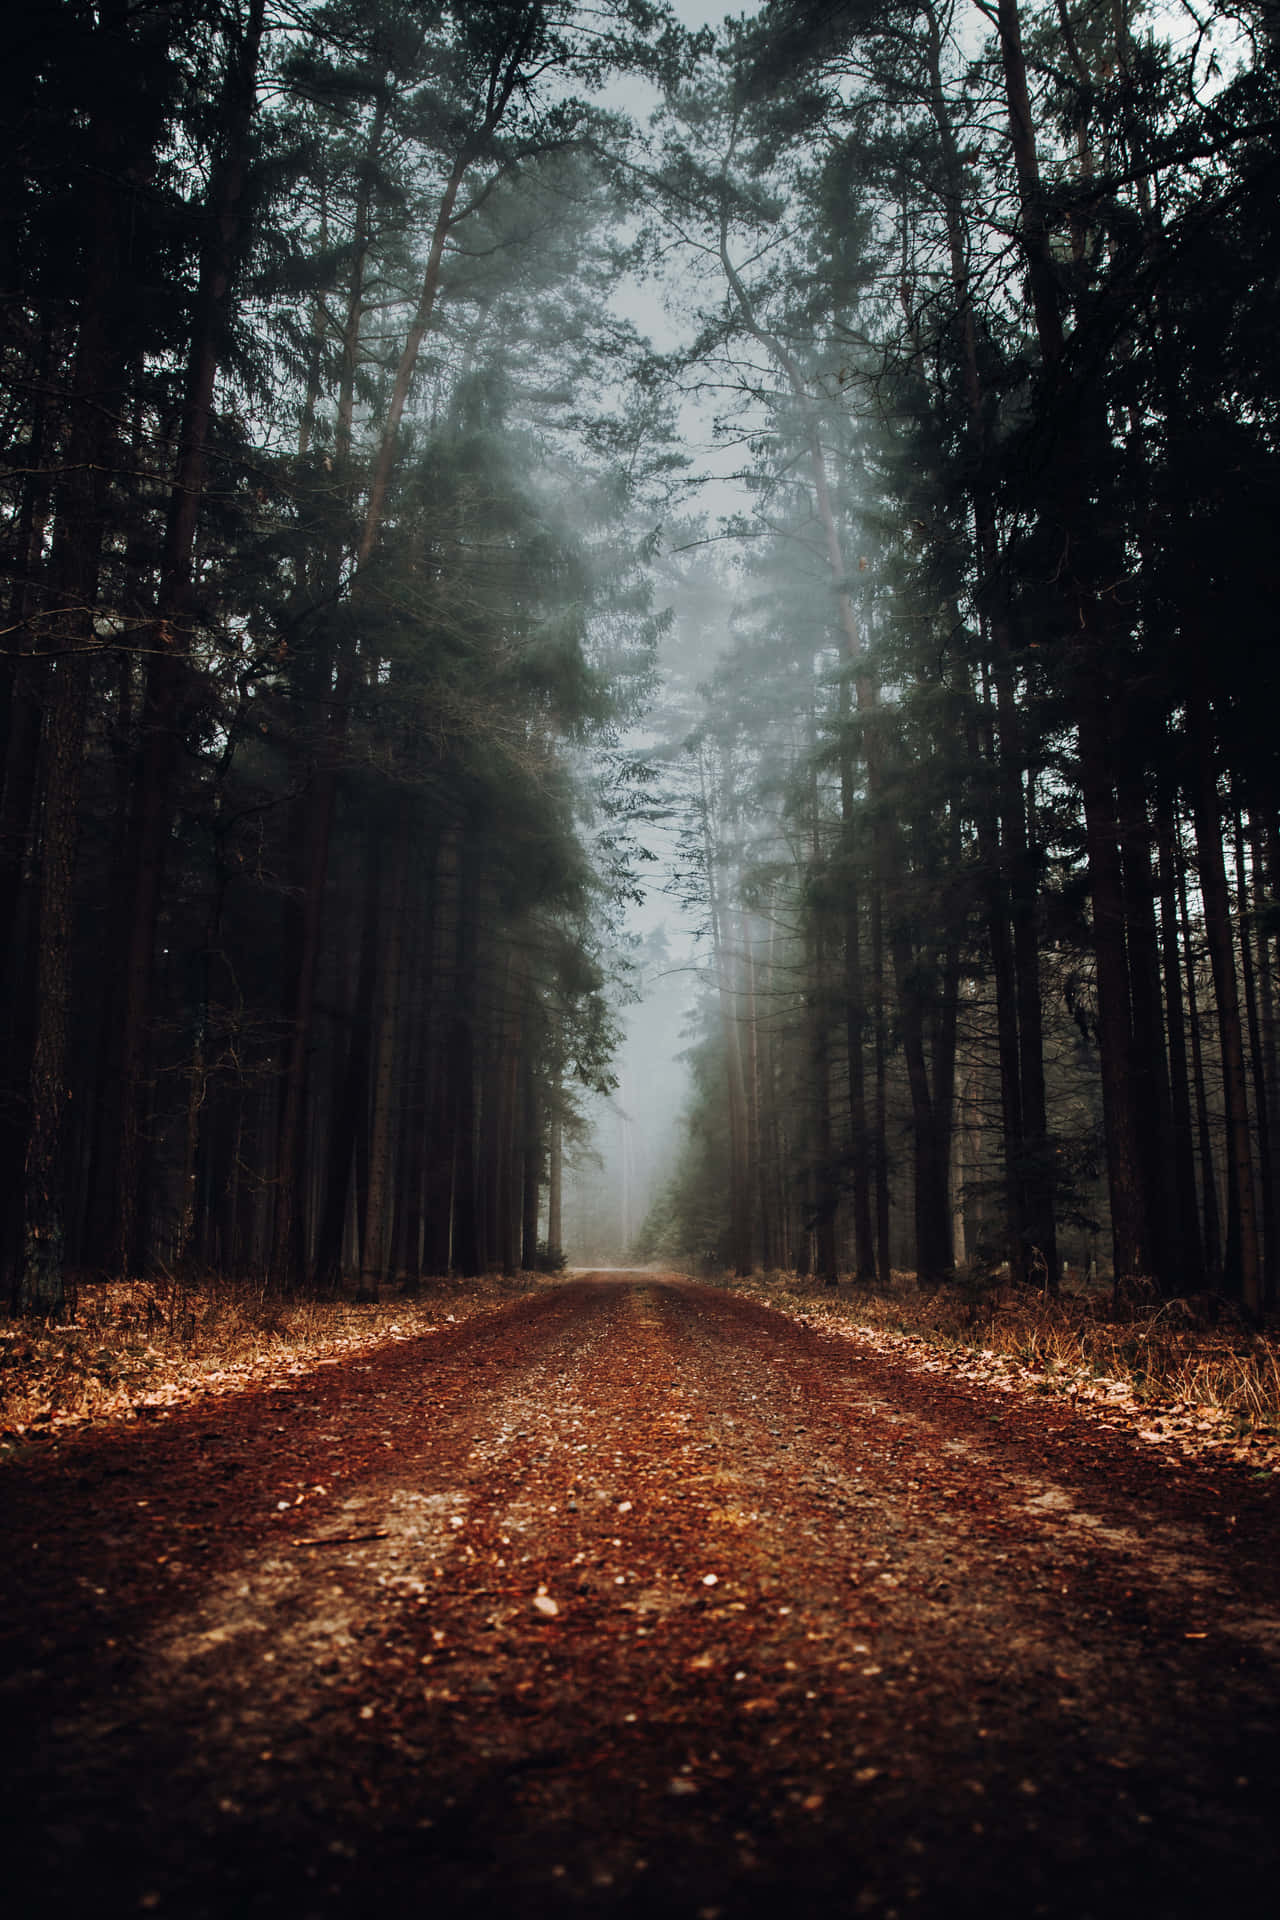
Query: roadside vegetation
{"type": "Point", "coordinates": [130, 1349]}
{"type": "Point", "coordinates": [1183, 1372]}
{"type": "Point", "coordinates": [1186, 1371]}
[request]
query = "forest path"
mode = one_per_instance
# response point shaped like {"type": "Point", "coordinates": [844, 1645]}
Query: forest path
{"type": "Point", "coordinates": [635, 1597]}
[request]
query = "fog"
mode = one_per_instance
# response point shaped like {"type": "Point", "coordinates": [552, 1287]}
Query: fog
{"type": "Point", "coordinates": [695, 611]}
{"type": "Point", "coordinates": [618, 1163]}
{"type": "Point", "coordinates": [899, 1036]}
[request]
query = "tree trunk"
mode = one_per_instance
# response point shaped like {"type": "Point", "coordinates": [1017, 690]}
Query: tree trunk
{"type": "Point", "coordinates": [442, 998]}
{"type": "Point", "coordinates": [1217, 914]}
{"type": "Point", "coordinates": [1184, 1167]}
{"type": "Point", "coordinates": [1096, 623]}
{"type": "Point", "coordinates": [1039, 1177]}
{"type": "Point", "coordinates": [930, 1159]}
{"type": "Point", "coordinates": [822, 1157]}
{"type": "Point", "coordinates": [508, 1166]}
{"type": "Point", "coordinates": [1208, 1177]}
{"type": "Point", "coordinates": [22, 674]}
{"type": "Point", "coordinates": [351, 1085]}
{"type": "Point", "coordinates": [531, 1167]}
{"type": "Point", "coordinates": [852, 647]}
{"type": "Point", "coordinates": [505, 80]}
{"type": "Point", "coordinates": [41, 1289]}
{"type": "Point", "coordinates": [1271, 1059]}
{"type": "Point", "coordinates": [884, 1256]}
{"type": "Point", "coordinates": [66, 634]}
{"type": "Point", "coordinates": [467, 1253]}
{"type": "Point", "coordinates": [1129, 1219]}
{"type": "Point", "coordinates": [1022, 141]}
{"type": "Point", "coordinates": [1149, 1064]}
{"type": "Point", "coordinates": [740, 1209]}
{"type": "Point", "coordinates": [855, 1027]}
{"type": "Point", "coordinates": [555, 1183]}
{"type": "Point", "coordinates": [723, 960]}
{"type": "Point", "coordinates": [417, 1081]}
{"type": "Point", "coordinates": [373, 1248]}
{"type": "Point", "coordinates": [1012, 911]}
{"type": "Point", "coordinates": [173, 630]}
{"type": "Point", "coordinates": [1258, 1070]}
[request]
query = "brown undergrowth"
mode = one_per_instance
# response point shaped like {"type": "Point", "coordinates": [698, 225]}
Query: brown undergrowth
{"type": "Point", "coordinates": [131, 1347]}
{"type": "Point", "coordinates": [1158, 1369]}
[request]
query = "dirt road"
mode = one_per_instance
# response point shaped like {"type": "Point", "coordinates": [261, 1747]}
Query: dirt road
{"type": "Point", "coordinates": [634, 1597]}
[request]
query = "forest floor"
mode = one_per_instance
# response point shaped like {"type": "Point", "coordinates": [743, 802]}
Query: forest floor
{"type": "Point", "coordinates": [631, 1596]}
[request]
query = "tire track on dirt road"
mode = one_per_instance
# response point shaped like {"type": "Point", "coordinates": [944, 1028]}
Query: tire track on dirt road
{"type": "Point", "coordinates": [634, 1597]}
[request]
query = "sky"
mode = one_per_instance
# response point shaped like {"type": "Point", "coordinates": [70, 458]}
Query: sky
{"type": "Point", "coordinates": [706, 13]}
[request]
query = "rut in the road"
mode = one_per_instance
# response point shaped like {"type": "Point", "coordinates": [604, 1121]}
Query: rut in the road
{"type": "Point", "coordinates": [639, 1597]}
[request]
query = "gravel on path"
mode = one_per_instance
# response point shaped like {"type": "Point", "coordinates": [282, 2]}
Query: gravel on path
{"type": "Point", "coordinates": [635, 1598]}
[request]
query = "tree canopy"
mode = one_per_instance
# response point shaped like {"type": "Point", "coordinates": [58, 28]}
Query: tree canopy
{"type": "Point", "coordinates": [341, 532]}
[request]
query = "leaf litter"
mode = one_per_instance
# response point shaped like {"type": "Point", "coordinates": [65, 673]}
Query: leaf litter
{"type": "Point", "coordinates": [597, 1692]}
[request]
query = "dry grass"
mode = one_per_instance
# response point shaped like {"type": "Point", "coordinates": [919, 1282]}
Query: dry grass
{"type": "Point", "coordinates": [146, 1345]}
{"type": "Point", "coordinates": [1166, 1357]}
{"type": "Point", "coordinates": [128, 1344]}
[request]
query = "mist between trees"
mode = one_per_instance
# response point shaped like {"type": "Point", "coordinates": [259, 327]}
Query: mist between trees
{"type": "Point", "coordinates": [345, 513]}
